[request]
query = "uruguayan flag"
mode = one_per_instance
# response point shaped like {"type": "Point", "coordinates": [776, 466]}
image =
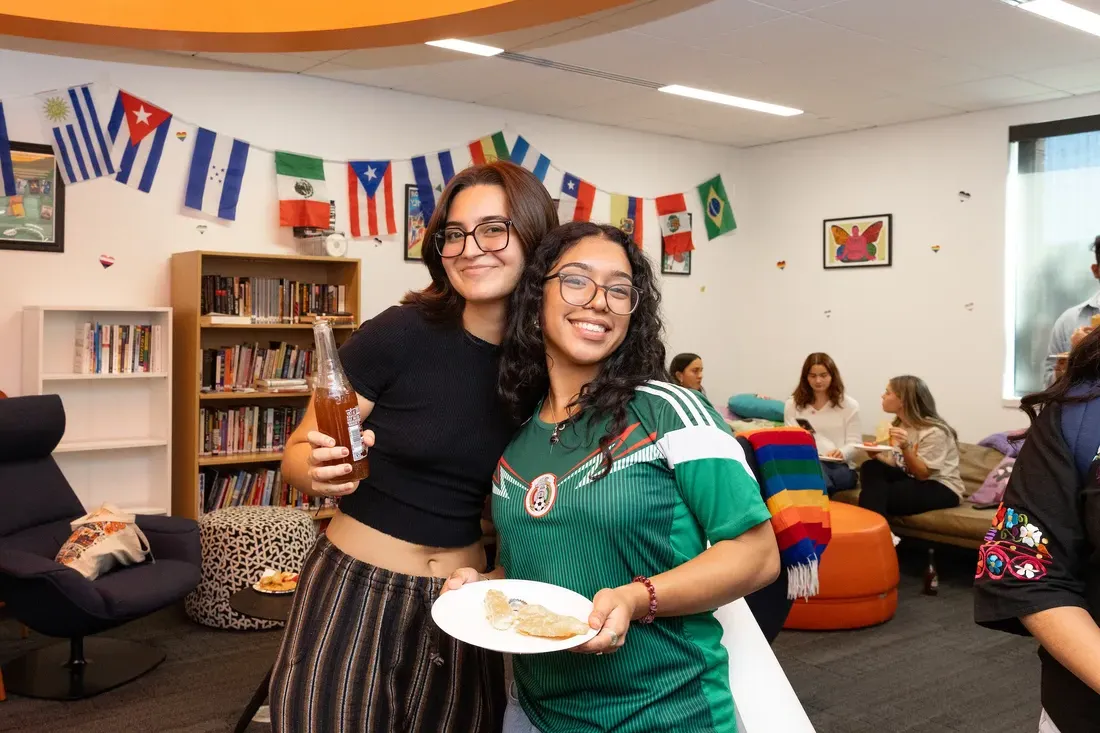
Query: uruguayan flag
{"type": "Point", "coordinates": [217, 169]}
{"type": "Point", "coordinates": [523, 154]}
{"type": "Point", "coordinates": [137, 130]}
{"type": "Point", "coordinates": [71, 122]}
{"type": "Point", "coordinates": [432, 173]}
{"type": "Point", "coordinates": [7, 170]}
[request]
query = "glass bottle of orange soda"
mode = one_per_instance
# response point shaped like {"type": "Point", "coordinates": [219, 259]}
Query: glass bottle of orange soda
{"type": "Point", "coordinates": [336, 405]}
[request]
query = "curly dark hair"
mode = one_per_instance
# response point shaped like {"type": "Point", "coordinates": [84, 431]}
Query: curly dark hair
{"type": "Point", "coordinates": [524, 376]}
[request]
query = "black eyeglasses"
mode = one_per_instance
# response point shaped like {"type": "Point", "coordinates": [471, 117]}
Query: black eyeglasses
{"type": "Point", "coordinates": [577, 289]}
{"type": "Point", "coordinates": [489, 236]}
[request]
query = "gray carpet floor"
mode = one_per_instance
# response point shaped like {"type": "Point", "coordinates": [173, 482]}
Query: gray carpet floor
{"type": "Point", "coordinates": [929, 670]}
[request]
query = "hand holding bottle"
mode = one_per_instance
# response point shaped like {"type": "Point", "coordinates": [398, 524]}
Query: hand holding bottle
{"type": "Point", "coordinates": [332, 479]}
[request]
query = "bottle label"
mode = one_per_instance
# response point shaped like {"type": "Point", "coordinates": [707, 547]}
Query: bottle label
{"type": "Point", "coordinates": [935, 582]}
{"type": "Point", "coordinates": [357, 449]}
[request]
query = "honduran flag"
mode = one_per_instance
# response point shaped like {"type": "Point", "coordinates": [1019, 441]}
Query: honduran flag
{"type": "Point", "coordinates": [138, 131]}
{"type": "Point", "coordinates": [7, 170]}
{"type": "Point", "coordinates": [626, 213]}
{"type": "Point", "coordinates": [71, 122]}
{"type": "Point", "coordinates": [370, 198]}
{"type": "Point", "coordinates": [675, 225]}
{"type": "Point", "coordinates": [432, 173]}
{"type": "Point", "coordinates": [523, 154]}
{"type": "Point", "coordinates": [576, 199]}
{"type": "Point", "coordinates": [489, 148]}
{"type": "Point", "coordinates": [214, 178]}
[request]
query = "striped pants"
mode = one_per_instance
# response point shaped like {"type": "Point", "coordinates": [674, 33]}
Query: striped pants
{"type": "Point", "coordinates": [361, 654]}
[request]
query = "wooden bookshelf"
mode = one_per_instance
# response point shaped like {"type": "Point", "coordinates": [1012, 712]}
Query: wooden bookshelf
{"type": "Point", "coordinates": [118, 441]}
{"type": "Point", "coordinates": [193, 333]}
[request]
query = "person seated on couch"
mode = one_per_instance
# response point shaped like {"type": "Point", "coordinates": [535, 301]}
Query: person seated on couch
{"type": "Point", "coordinates": [820, 405]}
{"type": "Point", "coordinates": [922, 472]}
{"type": "Point", "coordinates": [687, 371]}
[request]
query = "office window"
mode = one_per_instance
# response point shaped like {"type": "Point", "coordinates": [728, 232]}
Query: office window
{"type": "Point", "coordinates": [1052, 219]}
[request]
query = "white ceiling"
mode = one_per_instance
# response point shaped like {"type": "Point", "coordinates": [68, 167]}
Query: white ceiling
{"type": "Point", "coordinates": [849, 63]}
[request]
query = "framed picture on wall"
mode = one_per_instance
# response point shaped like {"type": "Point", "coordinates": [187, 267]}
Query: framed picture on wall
{"type": "Point", "coordinates": [858, 241]}
{"type": "Point", "coordinates": [679, 264]}
{"type": "Point", "coordinates": [33, 217]}
{"type": "Point", "coordinates": [414, 225]}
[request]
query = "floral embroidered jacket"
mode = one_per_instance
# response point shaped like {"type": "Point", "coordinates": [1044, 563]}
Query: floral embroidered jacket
{"type": "Point", "coordinates": [1043, 550]}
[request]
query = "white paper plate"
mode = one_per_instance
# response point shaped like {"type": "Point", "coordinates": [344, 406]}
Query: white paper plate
{"type": "Point", "coordinates": [461, 614]}
{"type": "Point", "coordinates": [874, 448]}
{"type": "Point", "coordinates": [268, 572]}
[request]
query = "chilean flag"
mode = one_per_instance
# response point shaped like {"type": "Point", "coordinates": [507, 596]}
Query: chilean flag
{"type": "Point", "coordinates": [370, 198]}
{"type": "Point", "coordinates": [138, 157]}
{"type": "Point", "coordinates": [576, 199]}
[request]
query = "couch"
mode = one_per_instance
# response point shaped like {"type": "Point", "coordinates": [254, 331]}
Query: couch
{"type": "Point", "coordinates": [963, 526]}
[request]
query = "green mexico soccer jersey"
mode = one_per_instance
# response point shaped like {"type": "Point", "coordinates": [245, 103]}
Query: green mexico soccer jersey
{"type": "Point", "coordinates": [679, 479]}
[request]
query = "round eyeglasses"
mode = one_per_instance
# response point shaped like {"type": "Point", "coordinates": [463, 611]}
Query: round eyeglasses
{"type": "Point", "coordinates": [580, 290]}
{"type": "Point", "coordinates": [489, 236]}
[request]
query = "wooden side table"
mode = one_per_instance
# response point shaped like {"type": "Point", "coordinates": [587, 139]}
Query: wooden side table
{"type": "Point", "coordinates": [268, 607]}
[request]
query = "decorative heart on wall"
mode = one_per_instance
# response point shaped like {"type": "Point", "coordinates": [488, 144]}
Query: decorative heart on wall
{"type": "Point", "coordinates": [181, 135]}
{"type": "Point", "coordinates": [201, 228]}
{"type": "Point", "coordinates": [106, 261]}
{"type": "Point", "coordinates": [969, 306]}
{"type": "Point", "coordinates": [782, 264]}
{"type": "Point", "coordinates": [828, 314]}
{"type": "Point", "coordinates": [935, 248]}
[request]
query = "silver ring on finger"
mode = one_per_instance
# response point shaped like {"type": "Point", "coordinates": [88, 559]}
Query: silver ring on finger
{"type": "Point", "coordinates": [614, 639]}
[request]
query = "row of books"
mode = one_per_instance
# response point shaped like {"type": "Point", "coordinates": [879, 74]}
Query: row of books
{"type": "Point", "coordinates": [247, 429]}
{"type": "Point", "coordinates": [103, 348]}
{"type": "Point", "coordinates": [259, 487]}
{"type": "Point", "coordinates": [269, 300]}
{"type": "Point", "coordinates": [236, 367]}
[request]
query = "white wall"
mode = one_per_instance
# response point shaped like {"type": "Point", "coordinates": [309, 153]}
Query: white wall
{"type": "Point", "coordinates": [912, 317]}
{"type": "Point", "coordinates": [336, 121]}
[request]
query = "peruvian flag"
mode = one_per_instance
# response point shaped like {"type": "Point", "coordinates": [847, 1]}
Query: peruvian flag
{"type": "Point", "coordinates": [576, 199]}
{"type": "Point", "coordinates": [675, 225]}
{"type": "Point", "coordinates": [370, 198]}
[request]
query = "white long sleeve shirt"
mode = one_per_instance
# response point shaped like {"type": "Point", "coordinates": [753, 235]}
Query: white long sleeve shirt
{"type": "Point", "coordinates": [835, 428]}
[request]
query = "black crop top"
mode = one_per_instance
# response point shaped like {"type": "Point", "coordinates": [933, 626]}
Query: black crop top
{"type": "Point", "coordinates": [439, 427]}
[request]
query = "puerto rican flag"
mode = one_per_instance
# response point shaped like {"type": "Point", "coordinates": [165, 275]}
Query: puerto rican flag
{"type": "Point", "coordinates": [576, 199]}
{"type": "Point", "coordinates": [137, 130]}
{"type": "Point", "coordinates": [370, 198]}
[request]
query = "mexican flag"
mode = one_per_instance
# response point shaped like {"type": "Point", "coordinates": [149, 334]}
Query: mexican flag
{"type": "Point", "coordinates": [716, 208]}
{"type": "Point", "coordinates": [303, 195]}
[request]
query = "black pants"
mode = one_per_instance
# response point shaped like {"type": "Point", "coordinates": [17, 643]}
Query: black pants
{"type": "Point", "coordinates": [890, 491]}
{"type": "Point", "coordinates": [838, 477]}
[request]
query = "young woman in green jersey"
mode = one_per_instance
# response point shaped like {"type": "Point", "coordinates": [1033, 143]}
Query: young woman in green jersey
{"type": "Point", "coordinates": [614, 488]}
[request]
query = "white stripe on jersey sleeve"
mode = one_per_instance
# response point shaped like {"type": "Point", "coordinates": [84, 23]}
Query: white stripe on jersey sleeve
{"type": "Point", "coordinates": [694, 404]}
{"type": "Point", "coordinates": [670, 400]}
{"type": "Point", "coordinates": [699, 442]}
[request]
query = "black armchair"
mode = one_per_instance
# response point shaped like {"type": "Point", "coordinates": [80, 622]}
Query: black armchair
{"type": "Point", "coordinates": [57, 601]}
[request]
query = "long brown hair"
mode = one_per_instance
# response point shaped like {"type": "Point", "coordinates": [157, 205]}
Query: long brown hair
{"type": "Point", "coordinates": [529, 207]}
{"type": "Point", "coordinates": [918, 404]}
{"type": "Point", "coordinates": [1082, 370]}
{"type": "Point", "coordinates": [804, 394]}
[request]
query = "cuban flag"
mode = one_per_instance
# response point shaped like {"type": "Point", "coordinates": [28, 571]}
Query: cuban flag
{"type": "Point", "coordinates": [526, 156]}
{"type": "Point", "coordinates": [432, 173]}
{"type": "Point", "coordinates": [71, 122]}
{"type": "Point", "coordinates": [138, 131]}
{"type": "Point", "coordinates": [214, 178]}
{"type": "Point", "coordinates": [370, 198]}
{"type": "Point", "coordinates": [576, 199]}
{"type": "Point", "coordinates": [7, 170]}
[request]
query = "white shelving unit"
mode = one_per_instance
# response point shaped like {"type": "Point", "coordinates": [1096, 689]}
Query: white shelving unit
{"type": "Point", "coordinates": [117, 445]}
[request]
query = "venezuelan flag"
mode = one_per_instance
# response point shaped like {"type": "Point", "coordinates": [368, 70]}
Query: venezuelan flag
{"type": "Point", "coordinates": [626, 213]}
{"type": "Point", "coordinates": [489, 148]}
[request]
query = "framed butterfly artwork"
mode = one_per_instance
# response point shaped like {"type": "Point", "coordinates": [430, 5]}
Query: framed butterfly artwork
{"type": "Point", "coordinates": [859, 241]}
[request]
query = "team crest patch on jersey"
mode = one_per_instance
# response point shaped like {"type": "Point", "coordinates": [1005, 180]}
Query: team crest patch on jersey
{"type": "Point", "coordinates": [541, 495]}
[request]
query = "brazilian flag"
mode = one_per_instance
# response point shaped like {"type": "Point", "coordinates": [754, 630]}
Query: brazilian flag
{"type": "Point", "coordinates": [716, 208]}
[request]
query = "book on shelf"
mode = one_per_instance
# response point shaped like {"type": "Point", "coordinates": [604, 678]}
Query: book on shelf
{"type": "Point", "coordinates": [233, 368]}
{"type": "Point", "coordinates": [269, 300]}
{"type": "Point", "coordinates": [103, 348]}
{"type": "Point", "coordinates": [248, 429]}
{"type": "Point", "coordinates": [219, 489]}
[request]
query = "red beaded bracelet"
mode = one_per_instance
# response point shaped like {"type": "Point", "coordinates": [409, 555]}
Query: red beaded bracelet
{"type": "Point", "coordinates": [648, 618]}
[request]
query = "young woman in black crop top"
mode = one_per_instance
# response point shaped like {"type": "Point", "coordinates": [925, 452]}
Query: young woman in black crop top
{"type": "Point", "coordinates": [361, 651]}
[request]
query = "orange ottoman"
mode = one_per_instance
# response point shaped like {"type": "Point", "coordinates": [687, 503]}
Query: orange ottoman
{"type": "Point", "coordinates": [858, 575]}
